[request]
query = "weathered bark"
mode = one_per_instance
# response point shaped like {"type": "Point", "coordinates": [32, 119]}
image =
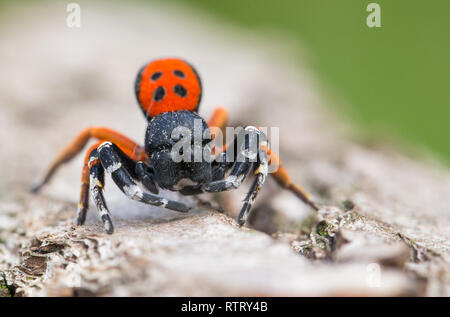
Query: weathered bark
{"type": "Point", "coordinates": [383, 228]}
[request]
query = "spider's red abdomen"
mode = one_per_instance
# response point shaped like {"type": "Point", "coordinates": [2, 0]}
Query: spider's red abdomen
{"type": "Point", "coordinates": [169, 84]}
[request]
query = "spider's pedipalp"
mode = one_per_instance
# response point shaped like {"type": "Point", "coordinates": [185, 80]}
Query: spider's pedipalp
{"type": "Point", "coordinates": [145, 175]}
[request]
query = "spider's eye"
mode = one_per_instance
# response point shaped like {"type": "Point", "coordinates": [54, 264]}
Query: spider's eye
{"type": "Point", "coordinates": [180, 90]}
{"type": "Point", "coordinates": [179, 73]}
{"type": "Point", "coordinates": [156, 76]}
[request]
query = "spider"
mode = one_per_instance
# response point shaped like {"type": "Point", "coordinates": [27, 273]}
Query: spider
{"type": "Point", "coordinates": [168, 91]}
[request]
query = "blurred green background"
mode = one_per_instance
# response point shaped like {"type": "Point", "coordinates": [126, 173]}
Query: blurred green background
{"type": "Point", "coordinates": [394, 79]}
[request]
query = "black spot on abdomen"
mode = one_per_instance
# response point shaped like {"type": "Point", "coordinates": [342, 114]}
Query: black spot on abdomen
{"type": "Point", "coordinates": [180, 90]}
{"type": "Point", "coordinates": [179, 73]}
{"type": "Point", "coordinates": [159, 93]}
{"type": "Point", "coordinates": [156, 76]}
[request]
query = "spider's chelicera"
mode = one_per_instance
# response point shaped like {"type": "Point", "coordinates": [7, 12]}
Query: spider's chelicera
{"type": "Point", "coordinates": [178, 146]}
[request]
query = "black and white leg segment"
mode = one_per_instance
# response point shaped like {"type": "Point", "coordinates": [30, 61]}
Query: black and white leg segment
{"type": "Point", "coordinates": [97, 181]}
{"type": "Point", "coordinates": [261, 174]}
{"type": "Point", "coordinates": [249, 153]}
{"type": "Point", "coordinates": [244, 157]}
{"type": "Point", "coordinates": [110, 160]}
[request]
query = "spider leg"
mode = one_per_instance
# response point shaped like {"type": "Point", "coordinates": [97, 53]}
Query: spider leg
{"type": "Point", "coordinates": [109, 155]}
{"type": "Point", "coordinates": [96, 161]}
{"type": "Point", "coordinates": [92, 177]}
{"type": "Point", "coordinates": [218, 119]}
{"type": "Point", "coordinates": [244, 161]}
{"type": "Point", "coordinates": [83, 204]}
{"type": "Point", "coordinates": [261, 174]}
{"type": "Point", "coordinates": [89, 160]}
{"type": "Point", "coordinates": [76, 145]}
{"type": "Point", "coordinates": [97, 180]}
{"type": "Point", "coordinates": [284, 180]}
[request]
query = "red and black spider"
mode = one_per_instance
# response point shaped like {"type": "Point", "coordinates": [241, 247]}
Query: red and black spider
{"type": "Point", "coordinates": [169, 92]}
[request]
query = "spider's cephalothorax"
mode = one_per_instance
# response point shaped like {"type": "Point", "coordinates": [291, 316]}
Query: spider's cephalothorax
{"type": "Point", "coordinates": [169, 92]}
{"type": "Point", "coordinates": [159, 141]}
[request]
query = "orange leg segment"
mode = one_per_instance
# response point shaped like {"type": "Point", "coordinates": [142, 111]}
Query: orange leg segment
{"type": "Point", "coordinates": [85, 184]}
{"type": "Point", "coordinates": [284, 180]}
{"type": "Point", "coordinates": [218, 119]}
{"type": "Point", "coordinates": [131, 148]}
